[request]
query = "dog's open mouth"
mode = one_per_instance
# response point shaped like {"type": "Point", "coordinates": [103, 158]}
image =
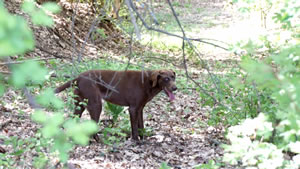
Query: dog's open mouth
{"type": "Point", "coordinates": [170, 94]}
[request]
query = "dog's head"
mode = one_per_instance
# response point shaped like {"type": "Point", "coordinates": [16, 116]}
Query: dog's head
{"type": "Point", "coordinates": [165, 80]}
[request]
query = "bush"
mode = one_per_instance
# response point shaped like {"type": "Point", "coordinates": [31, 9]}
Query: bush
{"type": "Point", "coordinates": [265, 141]}
{"type": "Point", "coordinates": [58, 134]}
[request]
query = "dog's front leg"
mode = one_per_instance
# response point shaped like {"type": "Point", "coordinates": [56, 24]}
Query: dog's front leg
{"type": "Point", "coordinates": [134, 122]}
{"type": "Point", "coordinates": [141, 123]}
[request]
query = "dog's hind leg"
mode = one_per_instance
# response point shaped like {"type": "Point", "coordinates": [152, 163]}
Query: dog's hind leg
{"type": "Point", "coordinates": [90, 92]}
{"type": "Point", "coordinates": [94, 106]}
{"type": "Point", "coordinates": [79, 104]}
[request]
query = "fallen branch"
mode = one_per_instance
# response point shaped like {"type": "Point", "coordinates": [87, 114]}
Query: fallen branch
{"type": "Point", "coordinates": [18, 62]}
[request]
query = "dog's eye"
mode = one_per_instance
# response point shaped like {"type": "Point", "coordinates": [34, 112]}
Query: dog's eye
{"type": "Point", "coordinates": [173, 77]}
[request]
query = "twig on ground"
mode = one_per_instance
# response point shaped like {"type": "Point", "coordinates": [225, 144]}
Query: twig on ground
{"type": "Point", "coordinates": [50, 53]}
{"type": "Point", "coordinates": [18, 62]}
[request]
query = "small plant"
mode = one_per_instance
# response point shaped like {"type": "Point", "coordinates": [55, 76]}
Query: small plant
{"type": "Point", "coordinates": [210, 165]}
{"type": "Point", "coordinates": [73, 133]}
{"type": "Point", "coordinates": [164, 165]}
{"type": "Point", "coordinates": [114, 110]}
{"type": "Point", "coordinates": [239, 100]}
{"type": "Point", "coordinates": [176, 3]}
{"type": "Point", "coordinates": [117, 132]}
{"type": "Point", "coordinates": [101, 33]}
{"type": "Point", "coordinates": [113, 136]}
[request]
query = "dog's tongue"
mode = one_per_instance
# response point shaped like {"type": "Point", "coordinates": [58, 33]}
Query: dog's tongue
{"type": "Point", "coordinates": [171, 95]}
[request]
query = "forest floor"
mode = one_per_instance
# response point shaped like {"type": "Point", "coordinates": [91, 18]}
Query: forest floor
{"type": "Point", "coordinates": [181, 137]}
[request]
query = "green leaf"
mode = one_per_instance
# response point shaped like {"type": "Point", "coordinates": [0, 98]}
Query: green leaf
{"type": "Point", "coordinates": [41, 18]}
{"type": "Point", "coordinates": [164, 165]}
{"type": "Point", "coordinates": [18, 152]}
{"type": "Point", "coordinates": [101, 32]}
{"type": "Point", "coordinates": [28, 6]}
{"type": "Point", "coordinates": [15, 35]}
{"type": "Point", "coordinates": [80, 132]}
{"type": "Point", "coordinates": [63, 146]}
{"type": "Point", "coordinates": [260, 72]}
{"type": "Point", "coordinates": [49, 131]}
{"type": "Point", "coordinates": [89, 127]}
{"type": "Point", "coordinates": [52, 125]}
{"type": "Point", "coordinates": [75, 131]}
{"type": "Point", "coordinates": [47, 98]}
{"type": "Point", "coordinates": [52, 7]}
{"type": "Point", "coordinates": [39, 116]}
{"type": "Point", "coordinates": [28, 71]}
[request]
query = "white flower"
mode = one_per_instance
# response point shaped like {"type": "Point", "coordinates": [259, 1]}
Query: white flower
{"type": "Point", "coordinates": [295, 147]}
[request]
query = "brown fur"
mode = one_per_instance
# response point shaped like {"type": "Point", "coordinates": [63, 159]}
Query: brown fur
{"type": "Point", "coordinates": [127, 88]}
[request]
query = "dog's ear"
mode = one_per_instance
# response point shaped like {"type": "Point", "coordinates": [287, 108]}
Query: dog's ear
{"type": "Point", "coordinates": [154, 78]}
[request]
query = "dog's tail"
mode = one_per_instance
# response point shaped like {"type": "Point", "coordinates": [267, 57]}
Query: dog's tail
{"type": "Point", "coordinates": [65, 85]}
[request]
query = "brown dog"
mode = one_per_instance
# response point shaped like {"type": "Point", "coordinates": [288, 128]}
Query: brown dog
{"type": "Point", "coordinates": [124, 88]}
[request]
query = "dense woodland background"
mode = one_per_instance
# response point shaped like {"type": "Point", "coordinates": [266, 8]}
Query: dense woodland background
{"type": "Point", "coordinates": [237, 66]}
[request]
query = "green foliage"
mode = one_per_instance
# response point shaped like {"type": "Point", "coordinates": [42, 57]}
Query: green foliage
{"type": "Point", "coordinates": [282, 11]}
{"type": "Point", "coordinates": [240, 137]}
{"type": "Point", "coordinates": [22, 74]}
{"type": "Point", "coordinates": [288, 11]}
{"type": "Point", "coordinates": [114, 134]}
{"type": "Point", "coordinates": [101, 33]}
{"type": "Point", "coordinates": [5, 161]}
{"type": "Point", "coordinates": [210, 165]}
{"type": "Point", "coordinates": [59, 134]}
{"type": "Point", "coordinates": [80, 132]}
{"type": "Point", "coordinates": [164, 165]}
{"type": "Point", "coordinates": [114, 110]}
{"type": "Point", "coordinates": [21, 147]}
{"type": "Point", "coordinates": [15, 35]}
{"type": "Point", "coordinates": [40, 161]}
{"type": "Point", "coordinates": [263, 142]}
{"type": "Point", "coordinates": [275, 134]}
{"type": "Point", "coordinates": [48, 99]}
{"type": "Point", "coordinates": [39, 16]}
{"type": "Point", "coordinates": [73, 133]}
{"type": "Point", "coordinates": [239, 99]}
{"type": "Point", "coordinates": [248, 5]}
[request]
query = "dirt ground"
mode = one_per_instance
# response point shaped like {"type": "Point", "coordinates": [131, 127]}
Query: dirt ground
{"type": "Point", "coordinates": [181, 137]}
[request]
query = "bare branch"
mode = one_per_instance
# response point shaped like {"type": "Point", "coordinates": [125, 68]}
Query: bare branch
{"type": "Point", "coordinates": [33, 104]}
{"type": "Point", "coordinates": [133, 21]}
{"type": "Point", "coordinates": [168, 33]}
